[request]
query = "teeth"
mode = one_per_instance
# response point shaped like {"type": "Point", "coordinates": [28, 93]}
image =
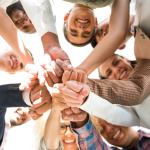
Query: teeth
{"type": "Point", "coordinates": [115, 136]}
{"type": "Point", "coordinates": [69, 141]}
{"type": "Point", "coordinates": [123, 74]}
{"type": "Point", "coordinates": [82, 21]}
{"type": "Point", "coordinates": [11, 63]}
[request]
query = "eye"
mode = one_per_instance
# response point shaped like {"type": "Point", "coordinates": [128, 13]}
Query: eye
{"type": "Point", "coordinates": [87, 33]}
{"type": "Point", "coordinates": [116, 63]}
{"type": "Point", "coordinates": [102, 29]}
{"type": "Point", "coordinates": [109, 73]}
{"type": "Point", "coordinates": [21, 65]}
{"type": "Point", "coordinates": [62, 126]}
{"type": "Point", "coordinates": [72, 30]}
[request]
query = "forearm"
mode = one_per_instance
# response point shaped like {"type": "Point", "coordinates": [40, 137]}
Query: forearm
{"type": "Point", "coordinates": [10, 34]}
{"type": "Point", "coordinates": [52, 130]}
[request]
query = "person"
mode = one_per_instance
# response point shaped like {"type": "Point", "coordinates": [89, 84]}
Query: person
{"type": "Point", "coordinates": [103, 29]}
{"type": "Point", "coordinates": [19, 17]}
{"type": "Point", "coordinates": [10, 62]}
{"type": "Point", "coordinates": [15, 117]}
{"type": "Point", "coordinates": [121, 137]}
{"type": "Point", "coordinates": [58, 134]}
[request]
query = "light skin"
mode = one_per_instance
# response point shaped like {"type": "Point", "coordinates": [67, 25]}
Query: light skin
{"type": "Point", "coordinates": [10, 62]}
{"type": "Point", "coordinates": [103, 30]}
{"type": "Point", "coordinates": [80, 23]}
{"type": "Point", "coordinates": [20, 18]}
{"type": "Point", "coordinates": [19, 116]}
{"type": "Point", "coordinates": [115, 68]}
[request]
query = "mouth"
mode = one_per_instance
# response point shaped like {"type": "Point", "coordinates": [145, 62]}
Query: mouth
{"type": "Point", "coordinates": [11, 62]}
{"type": "Point", "coordinates": [122, 76]}
{"type": "Point", "coordinates": [116, 135]}
{"type": "Point", "coordinates": [21, 116]}
{"type": "Point", "coordinates": [69, 141]}
{"type": "Point", "coordinates": [83, 21]}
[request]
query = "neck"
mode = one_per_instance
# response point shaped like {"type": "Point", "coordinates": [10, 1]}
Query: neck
{"type": "Point", "coordinates": [135, 138]}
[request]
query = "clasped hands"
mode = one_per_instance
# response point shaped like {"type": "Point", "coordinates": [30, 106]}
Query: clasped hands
{"type": "Point", "coordinates": [53, 72]}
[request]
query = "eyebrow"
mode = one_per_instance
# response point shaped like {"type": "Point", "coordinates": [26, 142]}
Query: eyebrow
{"type": "Point", "coordinates": [113, 61]}
{"type": "Point", "coordinates": [77, 35]}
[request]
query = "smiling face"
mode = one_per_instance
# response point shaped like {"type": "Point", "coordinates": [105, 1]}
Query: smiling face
{"type": "Point", "coordinates": [80, 24]}
{"type": "Point", "coordinates": [19, 116]}
{"type": "Point", "coordinates": [117, 135]}
{"type": "Point", "coordinates": [10, 62]}
{"type": "Point", "coordinates": [68, 139]}
{"type": "Point", "coordinates": [115, 68]}
{"type": "Point", "coordinates": [20, 18]}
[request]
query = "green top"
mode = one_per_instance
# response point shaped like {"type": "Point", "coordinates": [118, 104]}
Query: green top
{"type": "Point", "coordinates": [92, 3]}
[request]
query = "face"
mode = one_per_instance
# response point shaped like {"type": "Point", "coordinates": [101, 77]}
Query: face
{"type": "Point", "coordinates": [80, 22]}
{"type": "Point", "coordinates": [10, 62]}
{"type": "Point", "coordinates": [115, 68]}
{"type": "Point", "coordinates": [19, 116]}
{"type": "Point", "coordinates": [102, 30]}
{"type": "Point", "coordinates": [116, 135]}
{"type": "Point", "coordinates": [68, 139]}
{"type": "Point", "coordinates": [20, 18]}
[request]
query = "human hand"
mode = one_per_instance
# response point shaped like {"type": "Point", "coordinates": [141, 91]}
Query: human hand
{"type": "Point", "coordinates": [75, 93]}
{"type": "Point", "coordinates": [71, 73]}
{"type": "Point", "coordinates": [41, 101]}
{"type": "Point", "coordinates": [54, 72]}
{"type": "Point", "coordinates": [74, 114]}
{"type": "Point", "coordinates": [32, 75]}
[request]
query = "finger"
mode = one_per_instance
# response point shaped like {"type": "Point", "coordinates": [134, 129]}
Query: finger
{"type": "Point", "coordinates": [44, 108]}
{"type": "Point", "coordinates": [79, 77]}
{"type": "Point", "coordinates": [65, 117]}
{"type": "Point", "coordinates": [74, 85]}
{"type": "Point", "coordinates": [34, 115]}
{"type": "Point", "coordinates": [76, 110]}
{"type": "Point", "coordinates": [84, 77]}
{"type": "Point", "coordinates": [68, 111]}
{"type": "Point", "coordinates": [35, 96]}
{"type": "Point", "coordinates": [64, 65]}
{"type": "Point", "coordinates": [73, 104]}
{"type": "Point", "coordinates": [84, 92]}
{"type": "Point", "coordinates": [36, 89]}
{"type": "Point", "coordinates": [66, 91]}
{"type": "Point", "coordinates": [41, 77]}
{"type": "Point", "coordinates": [52, 74]}
{"type": "Point", "coordinates": [74, 76]}
{"type": "Point", "coordinates": [57, 69]}
{"type": "Point", "coordinates": [78, 117]}
{"type": "Point", "coordinates": [59, 86]}
{"type": "Point", "coordinates": [39, 102]}
{"type": "Point", "coordinates": [66, 76]}
{"type": "Point", "coordinates": [48, 80]}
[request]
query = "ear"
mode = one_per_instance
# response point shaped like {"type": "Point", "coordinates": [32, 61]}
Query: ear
{"type": "Point", "coordinates": [96, 22]}
{"type": "Point", "coordinates": [66, 17]}
{"type": "Point", "coordinates": [122, 47]}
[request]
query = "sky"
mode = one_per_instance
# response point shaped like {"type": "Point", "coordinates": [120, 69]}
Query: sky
{"type": "Point", "coordinates": [24, 136]}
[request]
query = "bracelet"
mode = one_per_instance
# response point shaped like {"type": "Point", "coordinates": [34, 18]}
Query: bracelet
{"type": "Point", "coordinates": [84, 71]}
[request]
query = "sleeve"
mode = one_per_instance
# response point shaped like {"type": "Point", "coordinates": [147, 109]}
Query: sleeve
{"type": "Point", "coordinates": [41, 15]}
{"type": "Point", "coordinates": [89, 138]}
{"type": "Point", "coordinates": [11, 96]}
{"type": "Point", "coordinates": [131, 91]}
{"type": "Point", "coordinates": [43, 146]}
{"type": "Point", "coordinates": [114, 114]}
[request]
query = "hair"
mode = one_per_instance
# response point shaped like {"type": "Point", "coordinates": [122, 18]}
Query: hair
{"type": "Point", "coordinates": [30, 54]}
{"type": "Point", "coordinates": [93, 42]}
{"type": "Point", "coordinates": [96, 123]}
{"type": "Point", "coordinates": [14, 7]}
{"type": "Point", "coordinates": [133, 64]}
{"type": "Point", "coordinates": [78, 45]}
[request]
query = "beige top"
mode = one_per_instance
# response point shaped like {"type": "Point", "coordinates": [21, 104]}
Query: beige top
{"type": "Point", "coordinates": [43, 146]}
{"type": "Point", "coordinates": [92, 3]}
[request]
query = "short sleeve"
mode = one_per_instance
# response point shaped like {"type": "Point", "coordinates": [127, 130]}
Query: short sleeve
{"type": "Point", "coordinates": [41, 14]}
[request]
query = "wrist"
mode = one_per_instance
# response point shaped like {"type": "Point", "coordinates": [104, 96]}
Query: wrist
{"type": "Point", "coordinates": [83, 70]}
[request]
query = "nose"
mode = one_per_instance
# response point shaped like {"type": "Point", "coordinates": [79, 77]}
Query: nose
{"type": "Point", "coordinates": [68, 132]}
{"type": "Point", "coordinates": [16, 61]}
{"type": "Point", "coordinates": [110, 129]}
{"type": "Point", "coordinates": [80, 26]}
{"type": "Point", "coordinates": [26, 21]}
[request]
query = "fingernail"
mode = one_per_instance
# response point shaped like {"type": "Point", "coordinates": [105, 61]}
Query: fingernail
{"type": "Point", "coordinates": [69, 66]}
{"type": "Point", "coordinates": [80, 97]}
{"type": "Point", "coordinates": [57, 59]}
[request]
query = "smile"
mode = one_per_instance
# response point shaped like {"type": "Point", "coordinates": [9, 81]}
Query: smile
{"type": "Point", "coordinates": [116, 135]}
{"type": "Point", "coordinates": [69, 141]}
{"type": "Point", "coordinates": [83, 21]}
{"type": "Point", "coordinates": [123, 74]}
{"type": "Point", "coordinates": [11, 62]}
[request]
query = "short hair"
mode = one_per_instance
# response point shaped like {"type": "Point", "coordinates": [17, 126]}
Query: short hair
{"type": "Point", "coordinates": [30, 54]}
{"type": "Point", "coordinates": [93, 42]}
{"type": "Point", "coordinates": [78, 45]}
{"type": "Point", "coordinates": [133, 64]}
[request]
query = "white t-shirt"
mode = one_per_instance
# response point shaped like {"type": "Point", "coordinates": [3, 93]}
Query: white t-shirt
{"type": "Point", "coordinates": [42, 15]}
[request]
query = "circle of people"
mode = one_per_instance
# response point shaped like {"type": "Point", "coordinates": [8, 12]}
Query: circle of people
{"type": "Point", "coordinates": [82, 109]}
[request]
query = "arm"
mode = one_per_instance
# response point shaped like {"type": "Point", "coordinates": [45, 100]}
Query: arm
{"type": "Point", "coordinates": [10, 34]}
{"type": "Point", "coordinates": [117, 30]}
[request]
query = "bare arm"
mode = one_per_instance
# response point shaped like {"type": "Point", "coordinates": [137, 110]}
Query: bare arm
{"type": "Point", "coordinates": [10, 34]}
{"type": "Point", "coordinates": [117, 32]}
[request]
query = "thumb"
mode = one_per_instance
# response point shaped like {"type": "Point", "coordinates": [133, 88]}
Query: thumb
{"type": "Point", "coordinates": [59, 86]}
{"type": "Point", "coordinates": [84, 92]}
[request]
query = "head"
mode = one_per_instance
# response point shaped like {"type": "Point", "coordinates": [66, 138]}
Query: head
{"type": "Point", "coordinates": [116, 135]}
{"type": "Point", "coordinates": [67, 136]}
{"type": "Point", "coordinates": [18, 15]}
{"type": "Point", "coordinates": [10, 62]}
{"type": "Point", "coordinates": [101, 31]}
{"type": "Point", "coordinates": [19, 116]}
{"type": "Point", "coordinates": [79, 25]}
{"type": "Point", "coordinates": [116, 68]}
